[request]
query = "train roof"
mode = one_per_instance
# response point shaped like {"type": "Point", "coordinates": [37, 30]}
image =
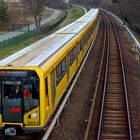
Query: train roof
{"type": "Point", "coordinates": [78, 25]}
{"type": "Point", "coordinates": [38, 52]}
{"type": "Point", "coordinates": [72, 29]}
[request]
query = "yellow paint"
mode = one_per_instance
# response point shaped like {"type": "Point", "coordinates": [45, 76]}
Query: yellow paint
{"type": "Point", "coordinates": [48, 101]}
{"type": "Point", "coordinates": [72, 69]}
{"type": "Point", "coordinates": [60, 88]}
{"type": "Point", "coordinates": [7, 123]}
{"type": "Point", "coordinates": [80, 56]}
{"type": "Point", "coordinates": [32, 122]}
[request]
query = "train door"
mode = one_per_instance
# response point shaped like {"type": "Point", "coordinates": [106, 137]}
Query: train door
{"type": "Point", "coordinates": [53, 83]}
{"type": "Point", "coordinates": [12, 106]}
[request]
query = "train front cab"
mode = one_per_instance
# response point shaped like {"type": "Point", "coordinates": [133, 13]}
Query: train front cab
{"type": "Point", "coordinates": [20, 112]}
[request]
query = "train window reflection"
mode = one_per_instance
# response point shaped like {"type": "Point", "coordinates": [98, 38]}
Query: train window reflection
{"type": "Point", "coordinates": [31, 93]}
{"type": "Point", "coordinates": [12, 89]}
{"type": "Point", "coordinates": [20, 86]}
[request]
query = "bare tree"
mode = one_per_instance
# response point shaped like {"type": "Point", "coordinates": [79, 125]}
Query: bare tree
{"type": "Point", "coordinates": [36, 7]}
{"type": "Point", "coordinates": [4, 14]}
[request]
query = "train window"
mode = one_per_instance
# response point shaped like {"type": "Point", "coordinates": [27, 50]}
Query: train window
{"type": "Point", "coordinates": [86, 37]}
{"type": "Point", "coordinates": [60, 70]}
{"type": "Point", "coordinates": [20, 86]}
{"type": "Point", "coordinates": [83, 40]}
{"type": "Point", "coordinates": [91, 29]}
{"type": "Point", "coordinates": [35, 89]}
{"type": "Point", "coordinates": [58, 73]}
{"type": "Point", "coordinates": [46, 83]}
{"type": "Point", "coordinates": [75, 53]}
{"type": "Point", "coordinates": [88, 33]}
{"type": "Point", "coordinates": [63, 67]}
{"type": "Point", "coordinates": [93, 26]}
{"type": "Point", "coordinates": [71, 57]}
{"type": "Point", "coordinates": [12, 89]}
{"type": "Point", "coordinates": [31, 93]}
{"type": "Point", "coordinates": [81, 45]}
{"type": "Point", "coordinates": [78, 48]}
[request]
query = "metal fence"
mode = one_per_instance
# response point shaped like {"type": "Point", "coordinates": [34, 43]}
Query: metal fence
{"type": "Point", "coordinates": [15, 40]}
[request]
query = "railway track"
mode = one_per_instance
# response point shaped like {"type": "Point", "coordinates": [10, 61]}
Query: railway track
{"type": "Point", "coordinates": [114, 118]}
{"type": "Point", "coordinates": [110, 132]}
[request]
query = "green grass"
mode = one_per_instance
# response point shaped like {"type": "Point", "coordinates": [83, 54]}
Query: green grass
{"type": "Point", "coordinates": [76, 11]}
{"type": "Point", "coordinates": [1, 32]}
{"type": "Point", "coordinates": [73, 13]}
{"type": "Point", "coordinates": [4, 52]}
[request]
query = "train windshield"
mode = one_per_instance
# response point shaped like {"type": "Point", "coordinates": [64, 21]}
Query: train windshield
{"type": "Point", "coordinates": [19, 94]}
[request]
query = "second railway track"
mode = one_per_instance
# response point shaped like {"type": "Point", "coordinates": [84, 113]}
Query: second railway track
{"type": "Point", "coordinates": [114, 119]}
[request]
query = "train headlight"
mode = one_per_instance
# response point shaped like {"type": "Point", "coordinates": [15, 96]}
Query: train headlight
{"type": "Point", "coordinates": [32, 116]}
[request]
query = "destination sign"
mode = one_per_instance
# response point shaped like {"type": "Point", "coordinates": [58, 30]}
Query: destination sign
{"type": "Point", "coordinates": [18, 73]}
{"type": "Point", "coordinates": [13, 73]}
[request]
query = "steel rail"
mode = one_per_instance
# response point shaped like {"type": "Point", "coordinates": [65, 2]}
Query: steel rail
{"type": "Point", "coordinates": [105, 83]}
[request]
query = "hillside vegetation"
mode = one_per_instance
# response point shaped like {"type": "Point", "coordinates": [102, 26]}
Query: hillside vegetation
{"type": "Point", "coordinates": [128, 10]}
{"type": "Point", "coordinates": [56, 4]}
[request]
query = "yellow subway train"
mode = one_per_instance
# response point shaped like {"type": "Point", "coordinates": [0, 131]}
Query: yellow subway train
{"type": "Point", "coordinates": [34, 79]}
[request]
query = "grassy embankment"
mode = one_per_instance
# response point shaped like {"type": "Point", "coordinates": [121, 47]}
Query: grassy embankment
{"type": "Point", "coordinates": [73, 14]}
{"type": "Point", "coordinates": [1, 32]}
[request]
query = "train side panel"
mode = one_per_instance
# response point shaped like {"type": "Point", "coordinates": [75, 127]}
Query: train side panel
{"type": "Point", "coordinates": [60, 88]}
